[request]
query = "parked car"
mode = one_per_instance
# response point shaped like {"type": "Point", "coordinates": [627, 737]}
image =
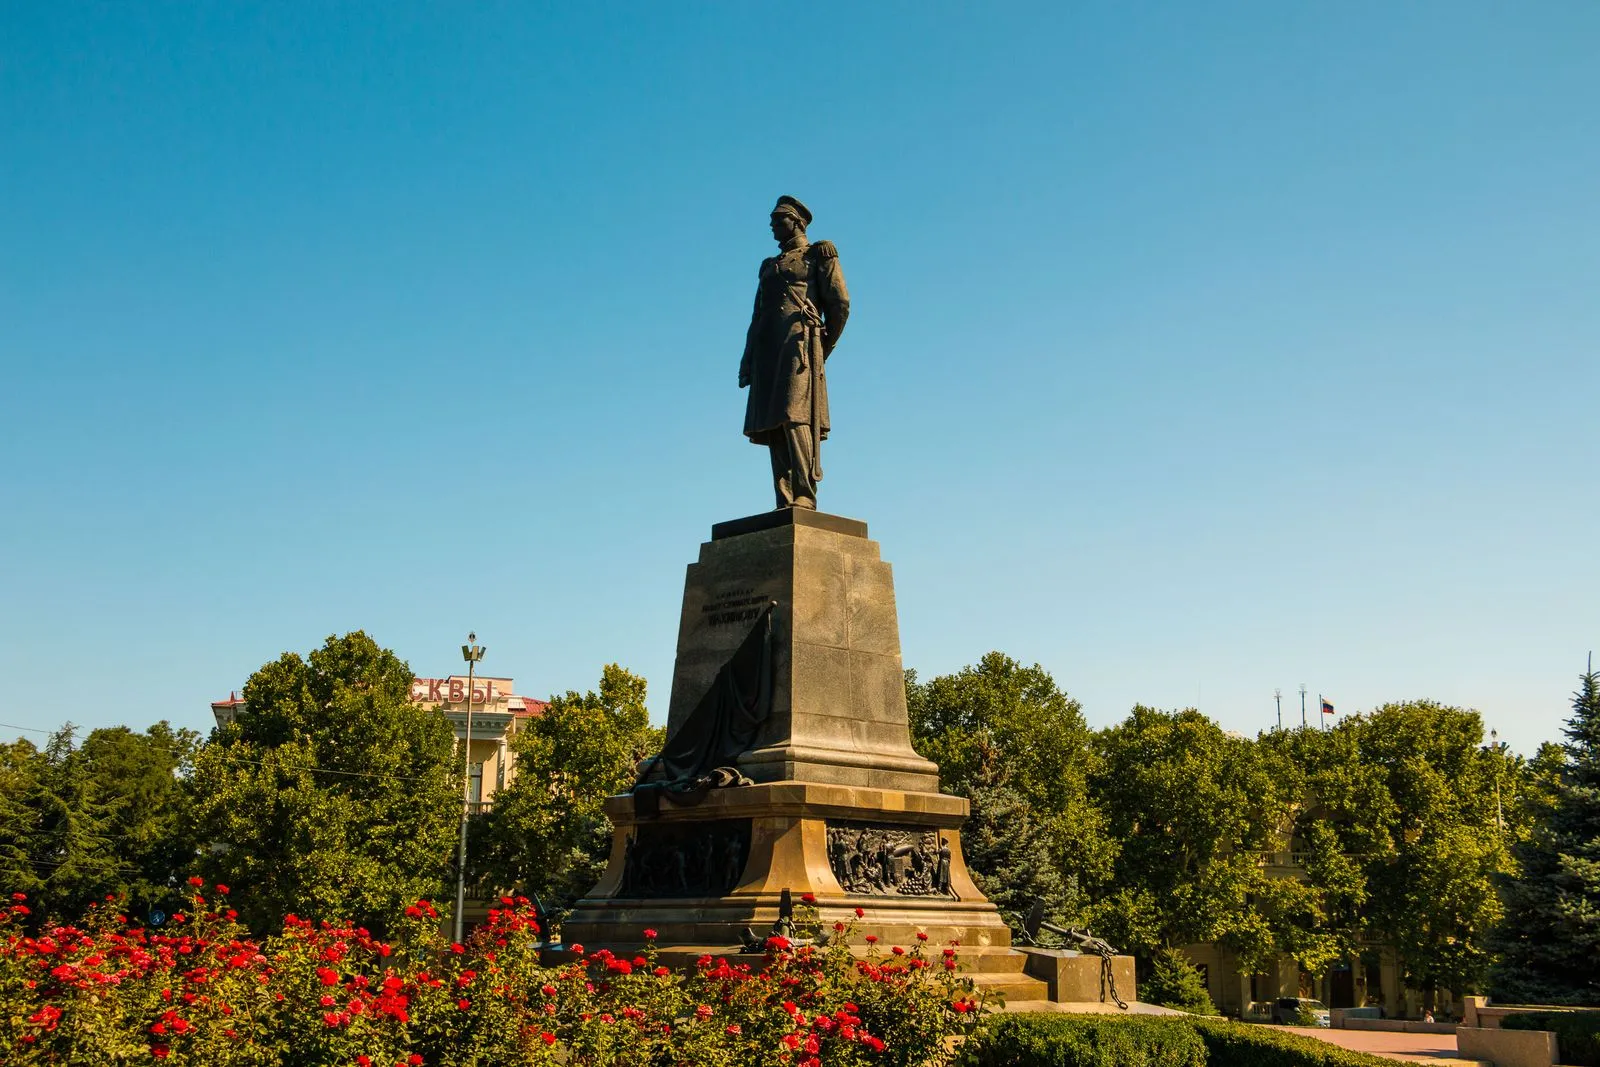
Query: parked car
{"type": "Point", "coordinates": [1300, 1011]}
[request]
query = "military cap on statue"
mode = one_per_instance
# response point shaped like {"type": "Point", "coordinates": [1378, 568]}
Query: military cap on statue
{"type": "Point", "coordinates": [788, 205]}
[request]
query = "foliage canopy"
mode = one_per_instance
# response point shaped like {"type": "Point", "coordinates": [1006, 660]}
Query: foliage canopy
{"type": "Point", "coordinates": [332, 795]}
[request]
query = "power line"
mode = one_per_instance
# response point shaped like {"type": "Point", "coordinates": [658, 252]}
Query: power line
{"type": "Point", "coordinates": [29, 729]}
{"type": "Point", "coordinates": [104, 863]}
{"type": "Point", "coordinates": [110, 840]}
{"type": "Point", "coordinates": [327, 770]}
{"type": "Point", "coordinates": [260, 763]}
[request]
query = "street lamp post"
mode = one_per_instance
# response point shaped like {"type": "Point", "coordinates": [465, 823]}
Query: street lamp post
{"type": "Point", "coordinates": [472, 653]}
{"type": "Point", "coordinates": [1498, 750]}
{"type": "Point", "coordinates": [1277, 698]}
{"type": "Point", "coordinates": [1302, 705]}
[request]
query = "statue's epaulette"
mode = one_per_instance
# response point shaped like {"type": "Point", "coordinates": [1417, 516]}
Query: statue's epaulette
{"type": "Point", "coordinates": [824, 250]}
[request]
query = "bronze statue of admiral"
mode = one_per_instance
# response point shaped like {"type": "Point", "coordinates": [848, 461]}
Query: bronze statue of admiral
{"type": "Point", "coordinates": [801, 308]}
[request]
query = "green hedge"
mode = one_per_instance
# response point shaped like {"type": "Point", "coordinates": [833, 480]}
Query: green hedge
{"type": "Point", "coordinates": [1577, 1032]}
{"type": "Point", "coordinates": [1047, 1040]}
{"type": "Point", "coordinates": [1230, 1044]}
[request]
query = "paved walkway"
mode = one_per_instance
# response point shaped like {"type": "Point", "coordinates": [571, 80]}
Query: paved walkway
{"type": "Point", "coordinates": [1436, 1049]}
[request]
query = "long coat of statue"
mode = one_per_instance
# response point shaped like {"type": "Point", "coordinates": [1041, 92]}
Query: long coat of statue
{"type": "Point", "coordinates": [801, 308]}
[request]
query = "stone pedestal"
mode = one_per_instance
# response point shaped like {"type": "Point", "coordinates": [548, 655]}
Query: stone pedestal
{"type": "Point", "coordinates": [839, 805]}
{"type": "Point", "coordinates": [838, 689]}
{"type": "Point", "coordinates": [1075, 978]}
{"type": "Point", "coordinates": [741, 847]}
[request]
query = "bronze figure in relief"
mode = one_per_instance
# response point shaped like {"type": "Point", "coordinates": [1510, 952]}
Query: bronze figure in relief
{"type": "Point", "coordinates": [889, 860]}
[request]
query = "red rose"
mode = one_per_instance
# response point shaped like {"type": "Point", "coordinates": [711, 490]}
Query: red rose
{"type": "Point", "coordinates": [808, 898]}
{"type": "Point", "coordinates": [649, 935]}
{"type": "Point", "coordinates": [860, 913]}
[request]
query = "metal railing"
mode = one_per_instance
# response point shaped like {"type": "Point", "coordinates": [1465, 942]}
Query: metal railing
{"type": "Point", "coordinates": [1284, 859]}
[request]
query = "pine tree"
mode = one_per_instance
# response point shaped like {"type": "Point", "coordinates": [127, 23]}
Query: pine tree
{"type": "Point", "coordinates": [1174, 982]}
{"type": "Point", "coordinates": [1551, 937]}
{"type": "Point", "coordinates": [70, 856]}
{"type": "Point", "coordinates": [1009, 853]}
{"type": "Point", "coordinates": [21, 767]}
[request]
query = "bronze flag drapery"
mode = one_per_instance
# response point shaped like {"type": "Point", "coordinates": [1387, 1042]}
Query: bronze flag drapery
{"type": "Point", "coordinates": [702, 752]}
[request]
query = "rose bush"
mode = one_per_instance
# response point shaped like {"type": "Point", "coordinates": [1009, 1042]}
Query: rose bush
{"type": "Point", "coordinates": [202, 992]}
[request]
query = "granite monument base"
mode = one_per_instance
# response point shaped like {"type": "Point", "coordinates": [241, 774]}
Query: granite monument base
{"type": "Point", "coordinates": [789, 687]}
{"type": "Point", "coordinates": [704, 875]}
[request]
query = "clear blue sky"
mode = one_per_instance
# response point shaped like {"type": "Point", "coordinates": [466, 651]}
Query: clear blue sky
{"type": "Point", "coordinates": [1197, 349]}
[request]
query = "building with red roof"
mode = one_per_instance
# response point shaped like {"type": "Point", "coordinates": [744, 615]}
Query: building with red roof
{"type": "Point", "coordinates": [497, 713]}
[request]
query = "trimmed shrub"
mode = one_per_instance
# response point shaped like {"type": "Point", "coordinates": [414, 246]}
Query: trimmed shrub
{"type": "Point", "coordinates": [1046, 1040]}
{"type": "Point", "coordinates": [1577, 1032]}
{"type": "Point", "coordinates": [1231, 1044]}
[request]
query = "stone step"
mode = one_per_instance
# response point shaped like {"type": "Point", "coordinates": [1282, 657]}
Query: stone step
{"type": "Point", "coordinates": [974, 961]}
{"type": "Point", "coordinates": [988, 960]}
{"type": "Point", "coordinates": [1011, 987]}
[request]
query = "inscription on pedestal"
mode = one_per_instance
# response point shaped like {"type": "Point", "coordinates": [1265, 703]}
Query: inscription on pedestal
{"type": "Point", "coordinates": [886, 860]}
{"type": "Point", "coordinates": [703, 859]}
{"type": "Point", "coordinates": [734, 606]}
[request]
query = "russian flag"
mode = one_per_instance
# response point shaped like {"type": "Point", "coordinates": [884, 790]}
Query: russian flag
{"type": "Point", "coordinates": [1327, 708]}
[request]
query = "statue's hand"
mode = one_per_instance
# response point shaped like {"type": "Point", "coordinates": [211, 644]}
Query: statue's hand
{"type": "Point", "coordinates": [744, 380]}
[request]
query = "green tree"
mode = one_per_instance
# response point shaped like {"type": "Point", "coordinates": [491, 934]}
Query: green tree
{"type": "Point", "coordinates": [1192, 809]}
{"type": "Point", "coordinates": [548, 833]}
{"type": "Point", "coordinates": [1003, 733]}
{"type": "Point", "coordinates": [138, 783]}
{"type": "Point", "coordinates": [332, 795]}
{"type": "Point", "coordinates": [1332, 797]}
{"type": "Point", "coordinates": [80, 822]}
{"type": "Point", "coordinates": [1550, 939]}
{"type": "Point", "coordinates": [63, 856]}
{"type": "Point", "coordinates": [1009, 854]}
{"type": "Point", "coordinates": [1405, 837]}
{"type": "Point", "coordinates": [1174, 982]}
{"type": "Point", "coordinates": [1441, 842]}
{"type": "Point", "coordinates": [21, 767]}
